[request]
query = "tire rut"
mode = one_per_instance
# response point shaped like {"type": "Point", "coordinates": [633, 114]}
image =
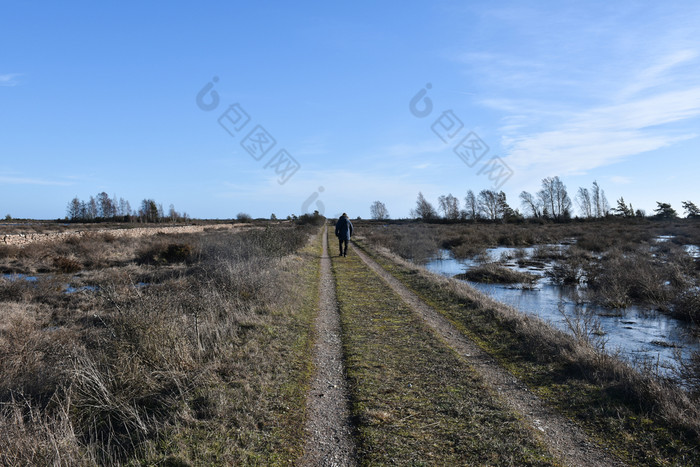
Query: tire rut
{"type": "Point", "coordinates": [565, 440]}
{"type": "Point", "coordinates": [328, 428]}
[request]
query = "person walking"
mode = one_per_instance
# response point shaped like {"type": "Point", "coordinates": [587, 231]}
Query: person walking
{"type": "Point", "coordinates": [343, 230]}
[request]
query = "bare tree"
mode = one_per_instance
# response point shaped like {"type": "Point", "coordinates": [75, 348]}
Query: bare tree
{"type": "Point", "coordinates": [583, 199]}
{"type": "Point", "coordinates": [555, 199]}
{"type": "Point", "coordinates": [92, 210]}
{"type": "Point", "coordinates": [530, 204]}
{"type": "Point", "coordinates": [449, 205]}
{"type": "Point", "coordinates": [424, 210]}
{"type": "Point", "coordinates": [104, 206]}
{"type": "Point", "coordinates": [471, 206]}
{"type": "Point", "coordinates": [73, 209]}
{"type": "Point", "coordinates": [488, 201]}
{"type": "Point", "coordinates": [378, 211]}
{"type": "Point", "coordinates": [172, 213]}
{"type": "Point", "coordinates": [599, 201]}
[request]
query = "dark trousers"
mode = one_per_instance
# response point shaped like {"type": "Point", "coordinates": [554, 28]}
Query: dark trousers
{"type": "Point", "coordinates": [341, 241]}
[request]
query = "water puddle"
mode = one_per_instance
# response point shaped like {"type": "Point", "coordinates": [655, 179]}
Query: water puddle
{"type": "Point", "coordinates": [15, 277]}
{"type": "Point", "coordinates": [82, 288]}
{"type": "Point", "coordinates": [638, 334]}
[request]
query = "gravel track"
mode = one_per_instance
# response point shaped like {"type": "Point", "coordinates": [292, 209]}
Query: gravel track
{"type": "Point", "coordinates": [329, 431]}
{"type": "Point", "coordinates": [565, 440]}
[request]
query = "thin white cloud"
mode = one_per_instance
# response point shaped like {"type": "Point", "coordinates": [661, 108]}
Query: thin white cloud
{"type": "Point", "coordinates": [620, 180]}
{"type": "Point", "coordinates": [658, 73]}
{"type": "Point", "coordinates": [574, 141]}
{"type": "Point", "coordinates": [434, 146]}
{"type": "Point", "coordinates": [9, 79]}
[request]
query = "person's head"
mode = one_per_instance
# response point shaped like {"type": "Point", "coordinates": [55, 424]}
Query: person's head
{"type": "Point", "coordinates": [345, 215]}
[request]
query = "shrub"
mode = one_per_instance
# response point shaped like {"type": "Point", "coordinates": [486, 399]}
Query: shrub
{"type": "Point", "coordinates": [570, 268]}
{"type": "Point", "coordinates": [67, 265]}
{"type": "Point", "coordinates": [687, 305]}
{"type": "Point", "coordinates": [494, 273]}
{"type": "Point", "coordinates": [312, 219]}
{"type": "Point", "coordinates": [166, 254]}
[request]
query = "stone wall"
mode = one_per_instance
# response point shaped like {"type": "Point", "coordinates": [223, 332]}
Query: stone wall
{"type": "Point", "coordinates": [26, 239]}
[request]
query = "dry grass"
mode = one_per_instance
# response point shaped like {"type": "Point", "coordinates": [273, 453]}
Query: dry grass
{"type": "Point", "coordinates": [495, 273]}
{"type": "Point", "coordinates": [200, 356]}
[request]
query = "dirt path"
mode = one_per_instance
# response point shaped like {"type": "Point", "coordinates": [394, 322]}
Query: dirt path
{"type": "Point", "coordinates": [328, 428]}
{"type": "Point", "coordinates": [565, 440]}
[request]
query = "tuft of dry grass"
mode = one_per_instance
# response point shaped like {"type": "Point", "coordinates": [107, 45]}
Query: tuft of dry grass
{"type": "Point", "coordinates": [495, 273]}
{"type": "Point", "coordinates": [67, 265]}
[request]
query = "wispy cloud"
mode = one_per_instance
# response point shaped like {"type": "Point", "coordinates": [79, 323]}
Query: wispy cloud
{"type": "Point", "coordinates": [419, 149]}
{"type": "Point", "coordinates": [581, 92]}
{"type": "Point", "coordinates": [9, 79]}
{"type": "Point", "coordinates": [645, 112]}
{"type": "Point", "coordinates": [620, 180]}
{"type": "Point", "coordinates": [599, 136]}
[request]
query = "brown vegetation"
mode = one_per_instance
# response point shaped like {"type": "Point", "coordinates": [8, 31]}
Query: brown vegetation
{"type": "Point", "coordinates": [160, 361]}
{"type": "Point", "coordinates": [495, 273]}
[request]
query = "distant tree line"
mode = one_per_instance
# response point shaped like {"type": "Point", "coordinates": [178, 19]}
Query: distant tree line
{"type": "Point", "coordinates": [102, 208]}
{"type": "Point", "coordinates": [551, 202]}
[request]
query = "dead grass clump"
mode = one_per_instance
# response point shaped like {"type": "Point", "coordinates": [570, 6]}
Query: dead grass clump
{"type": "Point", "coordinates": [32, 353]}
{"type": "Point", "coordinates": [415, 242]}
{"type": "Point", "coordinates": [494, 273]}
{"type": "Point", "coordinates": [67, 265]}
{"type": "Point", "coordinates": [467, 250]}
{"type": "Point", "coordinates": [689, 372]}
{"type": "Point", "coordinates": [570, 266]}
{"type": "Point", "coordinates": [29, 436]}
{"type": "Point", "coordinates": [686, 306]}
{"type": "Point", "coordinates": [15, 289]}
{"type": "Point", "coordinates": [166, 253]}
{"type": "Point", "coordinates": [622, 278]}
{"type": "Point", "coordinates": [9, 251]}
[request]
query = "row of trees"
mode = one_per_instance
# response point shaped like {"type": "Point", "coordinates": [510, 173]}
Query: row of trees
{"type": "Point", "coordinates": [552, 201]}
{"type": "Point", "coordinates": [102, 208]}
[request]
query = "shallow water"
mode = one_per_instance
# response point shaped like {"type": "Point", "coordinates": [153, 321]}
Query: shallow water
{"type": "Point", "coordinates": [637, 333]}
{"type": "Point", "coordinates": [14, 277]}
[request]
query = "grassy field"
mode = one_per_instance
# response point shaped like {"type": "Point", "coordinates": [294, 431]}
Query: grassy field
{"type": "Point", "coordinates": [188, 350]}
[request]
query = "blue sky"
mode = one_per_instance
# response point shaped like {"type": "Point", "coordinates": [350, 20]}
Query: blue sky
{"type": "Point", "coordinates": [102, 96]}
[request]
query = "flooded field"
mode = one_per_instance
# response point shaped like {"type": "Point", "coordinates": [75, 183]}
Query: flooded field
{"type": "Point", "coordinates": [639, 334]}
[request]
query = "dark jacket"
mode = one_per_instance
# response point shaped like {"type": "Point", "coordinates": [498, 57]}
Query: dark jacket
{"type": "Point", "coordinates": [343, 228]}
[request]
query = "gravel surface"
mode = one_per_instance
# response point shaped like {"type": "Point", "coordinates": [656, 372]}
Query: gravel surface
{"type": "Point", "coordinates": [329, 432]}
